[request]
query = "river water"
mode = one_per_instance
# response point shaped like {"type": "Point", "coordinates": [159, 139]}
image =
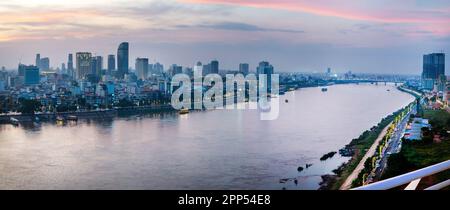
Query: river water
{"type": "Point", "coordinates": [220, 149]}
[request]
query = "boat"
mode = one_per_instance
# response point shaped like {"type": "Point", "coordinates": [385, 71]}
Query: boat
{"type": "Point", "coordinates": [184, 111]}
{"type": "Point", "coordinates": [72, 118]}
{"type": "Point", "coordinates": [14, 121]}
{"type": "Point", "coordinates": [59, 120]}
{"type": "Point", "coordinates": [324, 89]}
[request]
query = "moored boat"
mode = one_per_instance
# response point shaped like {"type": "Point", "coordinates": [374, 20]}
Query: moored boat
{"type": "Point", "coordinates": [14, 121]}
{"type": "Point", "coordinates": [72, 118]}
{"type": "Point", "coordinates": [184, 111]}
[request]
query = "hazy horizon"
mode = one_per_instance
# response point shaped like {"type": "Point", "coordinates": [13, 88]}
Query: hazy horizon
{"type": "Point", "coordinates": [369, 36]}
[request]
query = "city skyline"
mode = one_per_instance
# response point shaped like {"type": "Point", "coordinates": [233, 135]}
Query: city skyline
{"type": "Point", "coordinates": [292, 35]}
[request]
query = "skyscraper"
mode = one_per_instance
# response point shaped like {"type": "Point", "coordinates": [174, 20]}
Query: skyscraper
{"type": "Point", "coordinates": [142, 68]}
{"type": "Point", "coordinates": [38, 60]}
{"type": "Point", "coordinates": [206, 69]}
{"type": "Point", "coordinates": [267, 69]}
{"type": "Point", "coordinates": [198, 68]}
{"type": "Point", "coordinates": [433, 70]}
{"type": "Point", "coordinates": [433, 66]}
{"type": "Point", "coordinates": [175, 69]}
{"type": "Point", "coordinates": [96, 66]}
{"type": "Point", "coordinates": [63, 68]}
{"type": "Point", "coordinates": [111, 64]}
{"type": "Point", "coordinates": [158, 68]}
{"type": "Point", "coordinates": [244, 68]}
{"type": "Point", "coordinates": [122, 59]}
{"type": "Point", "coordinates": [44, 64]}
{"type": "Point", "coordinates": [70, 69]}
{"type": "Point", "coordinates": [264, 67]}
{"type": "Point", "coordinates": [214, 67]}
{"type": "Point", "coordinates": [32, 76]}
{"type": "Point", "coordinates": [83, 64]}
{"type": "Point", "coordinates": [21, 69]}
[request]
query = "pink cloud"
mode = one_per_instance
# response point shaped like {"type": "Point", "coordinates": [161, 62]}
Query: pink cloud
{"type": "Point", "coordinates": [352, 10]}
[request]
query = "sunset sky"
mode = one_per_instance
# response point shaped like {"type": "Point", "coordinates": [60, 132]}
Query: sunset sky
{"type": "Point", "coordinates": [382, 36]}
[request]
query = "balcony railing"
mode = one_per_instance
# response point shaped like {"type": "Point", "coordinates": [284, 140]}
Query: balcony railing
{"type": "Point", "coordinates": [413, 178]}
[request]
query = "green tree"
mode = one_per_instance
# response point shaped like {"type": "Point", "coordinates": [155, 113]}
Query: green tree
{"type": "Point", "coordinates": [28, 106]}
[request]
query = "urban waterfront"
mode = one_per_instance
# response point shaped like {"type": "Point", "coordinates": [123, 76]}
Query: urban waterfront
{"type": "Point", "coordinates": [220, 149]}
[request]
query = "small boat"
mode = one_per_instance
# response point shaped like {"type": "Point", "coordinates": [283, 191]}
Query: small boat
{"type": "Point", "coordinates": [324, 89]}
{"type": "Point", "coordinates": [184, 111]}
{"type": "Point", "coordinates": [14, 121]}
{"type": "Point", "coordinates": [72, 118]}
{"type": "Point", "coordinates": [60, 119]}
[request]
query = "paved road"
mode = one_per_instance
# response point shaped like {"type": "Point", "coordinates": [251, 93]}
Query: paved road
{"type": "Point", "coordinates": [394, 144]}
{"type": "Point", "coordinates": [348, 182]}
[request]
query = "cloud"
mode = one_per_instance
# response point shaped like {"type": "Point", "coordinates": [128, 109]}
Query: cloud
{"type": "Point", "coordinates": [235, 26]}
{"type": "Point", "coordinates": [407, 12]}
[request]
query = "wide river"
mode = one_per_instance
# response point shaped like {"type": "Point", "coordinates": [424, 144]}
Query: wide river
{"type": "Point", "coordinates": [220, 149]}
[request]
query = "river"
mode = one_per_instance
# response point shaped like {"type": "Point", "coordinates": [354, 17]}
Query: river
{"type": "Point", "coordinates": [220, 149]}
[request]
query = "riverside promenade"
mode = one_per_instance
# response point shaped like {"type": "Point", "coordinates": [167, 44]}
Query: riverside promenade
{"type": "Point", "coordinates": [371, 152]}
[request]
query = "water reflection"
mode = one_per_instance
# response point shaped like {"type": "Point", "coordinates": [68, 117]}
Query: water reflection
{"type": "Point", "coordinates": [221, 149]}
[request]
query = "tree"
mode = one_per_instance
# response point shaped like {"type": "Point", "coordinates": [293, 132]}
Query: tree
{"type": "Point", "coordinates": [125, 103]}
{"type": "Point", "coordinates": [62, 108]}
{"type": "Point", "coordinates": [28, 106]}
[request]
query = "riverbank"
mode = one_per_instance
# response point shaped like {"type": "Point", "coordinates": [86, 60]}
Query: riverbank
{"type": "Point", "coordinates": [371, 152]}
{"type": "Point", "coordinates": [360, 150]}
{"type": "Point", "coordinates": [412, 92]}
{"type": "Point", "coordinates": [357, 149]}
{"type": "Point", "coordinates": [91, 114]}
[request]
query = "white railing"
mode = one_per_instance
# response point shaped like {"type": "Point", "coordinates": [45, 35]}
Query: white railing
{"type": "Point", "coordinates": [411, 177]}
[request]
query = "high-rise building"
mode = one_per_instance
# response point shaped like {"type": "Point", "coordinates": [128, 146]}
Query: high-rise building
{"type": "Point", "coordinates": [38, 60]}
{"type": "Point", "coordinates": [142, 68]}
{"type": "Point", "coordinates": [189, 71]}
{"type": "Point", "coordinates": [198, 68]}
{"type": "Point", "coordinates": [214, 67]}
{"type": "Point", "coordinates": [111, 64]}
{"type": "Point", "coordinates": [433, 71]}
{"type": "Point", "coordinates": [44, 64]}
{"type": "Point", "coordinates": [97, 66]}
{"type": "Point", "coordinates": [70, 69]}
{"type": "Point", "coordinates": [206, 69]}
{"type": "Point", "coordinates": [63, 68]}
{"type": "Point", "coordinates": [158, 68]}
{"type": "Point", "coordinates": [122, 59]}
{"type": "Point", "coordinates": [175, 69]}
{"type": "Point", "coordinates": [83, 64]}
{"type": "Point", "coordinates": [21, 69]}
{"type": "Point", "coordinates": [32, 76]}
{"type": "Point", "coordinates": [264, 67]}
{"type": "Point", "coordinates": [433, 66]}
{"type": "Point", "coordinates": [244, 68]}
